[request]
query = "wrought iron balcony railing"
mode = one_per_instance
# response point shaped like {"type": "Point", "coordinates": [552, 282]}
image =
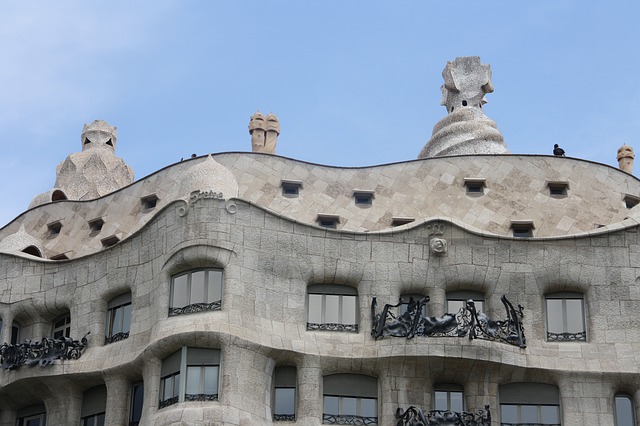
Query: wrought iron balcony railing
{"type": "Point", "coordinates": [284, 417]}
{"type": "Point", "coordinates": [342, 419]}
{"type": "Point", "coordinates": [42, 352]}
{"type": "Point", "coordinates": [567, 337]}
{"type": "Point", "coordinates": [196, 307]}
{"type": "Point", "coordinates": [466, 322]}
{"type": "Point", "coordinates": [116, 337]}
{"type": "Point", "coordinates": [332, 327]}
{"type": "Point", "coordinates": [414, 416]}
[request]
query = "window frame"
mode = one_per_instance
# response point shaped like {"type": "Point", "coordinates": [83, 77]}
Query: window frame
{"type": "Point", "coordinates": [65, 328]}
{"type": "Point", "coordinates": [291, 188]}
{"type": "Point", "coordinates": [565, 335]}
{"type": "Point", "coordinates": [341, 291]}
{"type": "Point", "coordinates": [285, 377]}
{"type": "Point", "coordinates": [94, 406]}
{"type": "Point", "coordinates": [529, 394]}
{"type": "Point", "coordinates": [133, 407]}
{"type": "Point", "coordinates": [14, 336]}
{"type": "Point", "coordinates": [175, 367]}
{"type": "Point", "coordinates": [617, 412]}
{"type": "Point", "coordinates": [462, 296]}
{"type": "Point", "coordinates": [474, 187]}
{"type": "Point", "coordinates": [328, 221]}
{"type": "Point", "coordinates": [363, 197]}
{"type": "Point", "coordinates": [121, 305]}
{"type": "Point", "coordinates": [448, 390]}
{"type": "Point", "coordinates": [196, 306]}
{"type": "Point", "coordinates": [343, 386]}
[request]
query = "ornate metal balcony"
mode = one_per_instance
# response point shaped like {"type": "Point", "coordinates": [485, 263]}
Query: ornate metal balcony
{"type": "Point", "coordinates": [167, 402]}
{"type": "Point", "coordinates": [196, 307]}
{"type": "Point", "coordinates": [332, 327]}
{"type": "Point", "coordinates": [416, 417]}
{"type": "Point", "coordinates": [284, 417]}
{"type": "Point", "coordinates": [466, 322]}
{"type": "Point", "coordinates": [201, 397]}
{"type": "Point", "coordinates": [340, 419]}
{"type": "Point", "coordinates": [116, 338]}
{"type": "Point", "coordinates": [43, 352]}
{"type": "Point", "coordinates": [567, 337]}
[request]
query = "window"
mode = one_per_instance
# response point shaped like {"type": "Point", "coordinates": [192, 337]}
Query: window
{"type": "Point", "coordinates": [624, 410]}
{"type": "Point", "coordinates": [448, 398]}
{"type": "Point", "coordinates": [399, 221]}
{"type": "Point", "coordinates": [111, 240]}
{"type": "Point", "coordinates": [558, 189]}
{"type": "Point", "coordinates": [137, 400]}
{"type": "Point", "coordinates": [565, 317]}
{"type": "Point", "coordinates": [34, 415]}
{"type": "Point", "coordinates": [406, 298]}
{"type": "Point", "coordinates": [61, 256]}
{"type": "Point", "coordinates": [529, 403]}
{"type": "Point", "coordinates": [291, 188]}
{"type": "Point", "coordinates": [284, 393]}
{"type": "Point", "coordinates": [363, 198]}
{"type": "Point", "coordinates": [190, 374]}
{"type": "Point", "coordinates": [32, 250]}
{"type": "Point", "coordinates": [332, 308]}
{"type": "Point", "coordinates": [61, 327]}
{"type": "Point", "coordinates": [457, 300]}
{"type": "Point", "coordinates": [350, 399]}
{"type": "Point", "coordinates": [118, 321]}
{"type": "Point", "coordinates": [149, 202]}
{"type": "Point", "coordinates": [522, 228]}
{"type": "Point", "coordinates": [475, 186]}
{"type": "Point", "coordinates": [196, 291]}
{"type": "Point", "coordinates": [94, 403]}
{"type": "Point", "coordinates": [630, 201]}
{"type": "Point", "coordinates": [95, 226]}
{"type": "Point", "coordinates": [54, 228]}
{"type": "Point", "coordinates": [328, 220]}
{"type": "Point", "coordinates": [15, 333]}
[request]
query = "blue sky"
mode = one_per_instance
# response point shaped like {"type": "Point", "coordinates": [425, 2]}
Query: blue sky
{"type": "Point", "coordinates": [354, 83]}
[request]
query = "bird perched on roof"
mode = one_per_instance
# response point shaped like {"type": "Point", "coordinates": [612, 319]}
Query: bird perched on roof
{"type": "Point", "coordinates": [558, 151]}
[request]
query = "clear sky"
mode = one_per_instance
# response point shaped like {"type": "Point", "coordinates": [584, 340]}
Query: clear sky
{"type": "Point", "coordinates": [354, 83]}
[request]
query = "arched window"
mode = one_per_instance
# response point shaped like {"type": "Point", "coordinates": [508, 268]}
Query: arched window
{"type": "Point", "coordinates": [94, 404]}
{"type": "Point", "coordinates": [118, 323]}
{"type": "Point", "coordinates": [284, 393]}
{"type": "Point", "coordinates": [350, 399]}
{"type": "Point", "coordinates": [196, 291]}
{"type": "Point", "coordinates": [33, 251]}
{"type": "Point", "coordinates": [332, 307]}
{"type": "Point", "coordinates": [624, 410]}
{"type": "Point", "coordinates": [529, 403]}
{"type": "Point", "coordinates": [565, 317]}
{"type": "Point", "coordinates": [190, 374]}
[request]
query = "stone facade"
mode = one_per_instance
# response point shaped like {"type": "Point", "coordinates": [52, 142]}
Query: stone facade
{"type": "Point", "coordinates": [234, 213]}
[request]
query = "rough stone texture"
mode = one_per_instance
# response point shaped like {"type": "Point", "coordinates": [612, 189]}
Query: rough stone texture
{"type": "Point", "coordinates": [264, 132]}
{"type": "Point", "coordinates": [93, 172]}
{"type": "Point", "coordinates": [268, 263]}
{"type": "Point", "coordinates": [465, 130]}
{"type": "Point", "coordinates": [625, 158]}
{"type": "Point", "coordinates": [516, 188]}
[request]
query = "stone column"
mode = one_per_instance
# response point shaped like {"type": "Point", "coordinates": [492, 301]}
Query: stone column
{"type": "Point", "coordinates": [8, 417]}
{"type": "Point", "coordinates": [65, 404]}
{"type": "Point", "coordinates": [309, 391]}
{"type": "Point", "coordinates": [118, 394]}
{"type": "Point", "coordinates": [151, 380]}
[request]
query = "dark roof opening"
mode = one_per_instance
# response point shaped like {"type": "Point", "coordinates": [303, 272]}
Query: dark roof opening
{"type": "Point", "coordinates": [33, 251]}
{"type": "Point", "coordinates": [58, 195]}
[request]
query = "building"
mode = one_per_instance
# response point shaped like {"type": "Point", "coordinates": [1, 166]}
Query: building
{"type": "Point", "coordinates": [250, 289]}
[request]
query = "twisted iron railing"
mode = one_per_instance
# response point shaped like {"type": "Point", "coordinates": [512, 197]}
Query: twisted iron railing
{"type": "Point", "coordinates": [116, 337]}
{"type": "Point", "coordinates": [332, 327]}
{"type": "Point", "coordinates": [466, 322]}
{"type": "Point", "coordinates": [42, 352]}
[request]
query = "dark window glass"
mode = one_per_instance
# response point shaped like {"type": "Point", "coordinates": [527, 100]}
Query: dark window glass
{"type": "Point", "coordinates": [137, 399]}
{"type": "Point", "coordinates": [196, 291]}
